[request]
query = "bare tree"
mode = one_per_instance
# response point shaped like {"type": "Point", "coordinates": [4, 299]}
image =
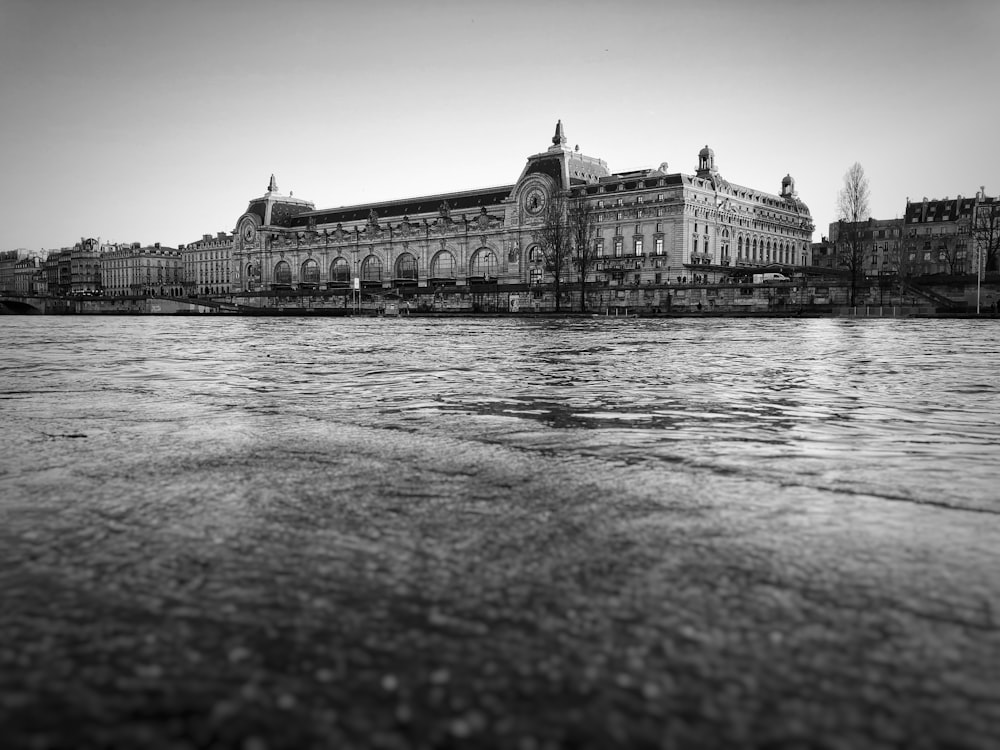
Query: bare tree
{"type": "Point", "coordinates": [985, 230]}
{"type": "Point", "coordinates": [853, 212]}
{"type": "Point", "coordinates": [582, 220]}
{"type": "Point", "coordinates": [555, 240]}
{"type": "Point", "coordinates": [952, 250]}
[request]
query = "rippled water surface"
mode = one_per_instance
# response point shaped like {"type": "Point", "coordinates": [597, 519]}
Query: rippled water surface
{"type": "Point", "coordinates": [893, 410]}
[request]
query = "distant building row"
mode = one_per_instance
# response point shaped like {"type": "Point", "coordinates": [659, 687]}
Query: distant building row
{"type": "Point", "coordinates": [654, 226]}
{"type": "Point", "coordinates": [121, 270]}
{"type": "Point", "coordinates": [933, 237]}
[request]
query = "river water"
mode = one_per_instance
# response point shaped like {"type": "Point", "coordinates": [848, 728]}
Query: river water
{"type": "Point", "coordinates": [894, 410]}
{"type": "Point", "coordinates": [781, 531]}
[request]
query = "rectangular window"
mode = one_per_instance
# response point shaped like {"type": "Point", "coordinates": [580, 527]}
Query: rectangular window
{"type": "Point", "coordinates": [658, 278]}
{"type": "Point", "coordinates": [638, 246]}
{"type": "Point", "coordinates": [599, 248]}
{"type": "Point", "coordinates": [618, 248]}
{"type": "Point", "coordinates": [659, 246]}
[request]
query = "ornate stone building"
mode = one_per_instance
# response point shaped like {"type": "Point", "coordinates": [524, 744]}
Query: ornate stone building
{"type": "Point", "coordinates": [207, 264]}
{"type": "Point", "coordinates": [654, 227]}
{"type": "Point", "coordinates": [131, 270]}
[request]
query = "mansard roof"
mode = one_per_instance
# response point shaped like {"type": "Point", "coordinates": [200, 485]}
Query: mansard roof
{"type": "Point", "coordinates": [948, 209]}
{"type": "Point", "coordinates": [461, 201]}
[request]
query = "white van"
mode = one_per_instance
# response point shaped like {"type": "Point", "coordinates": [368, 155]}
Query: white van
{"type": "Point", "coordinates": [760, 278]}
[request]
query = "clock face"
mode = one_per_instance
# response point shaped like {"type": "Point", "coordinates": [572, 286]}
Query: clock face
{"type": "Point", "coordinates": [248, 233]}
{"type": "Point", "coordinates": [534, 201]}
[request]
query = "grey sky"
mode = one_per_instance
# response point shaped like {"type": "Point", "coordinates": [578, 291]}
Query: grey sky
{"type": "Point", "coordinates": [155, 121]}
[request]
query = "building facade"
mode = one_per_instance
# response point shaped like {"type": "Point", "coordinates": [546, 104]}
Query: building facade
{"type": "Point", "coordinates": [207, 264]}
{"type": "Point", "coordinates": [25, 276]}
{"type": "Point", "coordinates": [881, 247]}
{"type": "Point", "coordinates": [133, 270]}
{"type": "Point", "coordinates": [948, 236]}
{"type": "Point", "coordinates": [8, 261]}
{"type": "Point", "coordinates": [654, 227]}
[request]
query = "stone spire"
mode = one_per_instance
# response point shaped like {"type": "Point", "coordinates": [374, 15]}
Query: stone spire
{"type": "Point", "coordinates": [272, 186]}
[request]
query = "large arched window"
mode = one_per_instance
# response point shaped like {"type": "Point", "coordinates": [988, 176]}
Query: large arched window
{"type": "Point", "coordinates": [484, 264]}
{"type": "Point", "coordinates": [310, 273]}
{"type": "Point", "coordinates": [371, 270]}
{"type": "Point", "coordinates": [443, 266]}
{"type": "Point", "coordinates": [754, 250]}
{"type": "Point", "coordinates": [739, 247]}
{"type": "Point", "coordinates": [406, 267]}
{"type": "Point", "coordinates": [340, 272]}
{"type": "Point", "coordinates": [283, 273]}
{"type": "Point", "coordinates": [535, 254]}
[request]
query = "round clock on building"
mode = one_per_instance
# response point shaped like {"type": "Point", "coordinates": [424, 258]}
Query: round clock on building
{"type": "Point", "coordinates": [534, 201]}
{"type": "Point", "coordinates": [248, 234]}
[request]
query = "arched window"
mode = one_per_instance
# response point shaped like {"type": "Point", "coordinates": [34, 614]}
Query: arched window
{"type": "Point", "coordinates": [484, 264]}
{"type": "Point", "coordinates": [535, 254]}
{"type": "Point", "coordinates": [768, 256]}
{"type": "Point", "coordinates": [371, 270]}
{"type": "Point", "coordinates": [310, 273]}
{"type": "Point", "coordinates": [443, 266]}
{"type": "Point", "coordinates": [340, 272]}
{"type": "Point", "coordinates": [406, 267]}
{"type": "Point", "coordinates": [739, 247]}
{"type": "Point", "coordinates": [754, 250]}
{"type": "Point", "coordinates": [283, 273]}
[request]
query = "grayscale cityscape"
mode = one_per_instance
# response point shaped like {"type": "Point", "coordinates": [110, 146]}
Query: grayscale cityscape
{"type": "Point", "coordinates": [680, 433]}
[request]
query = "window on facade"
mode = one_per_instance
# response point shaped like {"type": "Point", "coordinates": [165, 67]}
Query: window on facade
{"type": "Point", "coordinates": [618, 248]}
{"type": "Point", "coordinates": [340, 271]}
{"type": "Point", "coordinates": [406, 267]}
{"type": "Point", "coordinates": [484, 263]}
{"type": "Point", "coordinates": [659, 246]}
{"type": "Point", "coordinates": [638, 246]}
{"type": "Point", "coordinates": [599, 247]}
{"type": "Point", "coordinates": [282, 273]}
{"type": "Point", "coordinates": [310, 272]}
{"type": "Point", "coordinates": [371, 269]}
{"type": "Point", "coordinates": [443, 265]}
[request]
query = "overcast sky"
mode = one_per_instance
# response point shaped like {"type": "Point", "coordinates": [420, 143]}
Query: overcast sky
{"type": "Point", "coordinates": [157, 121]}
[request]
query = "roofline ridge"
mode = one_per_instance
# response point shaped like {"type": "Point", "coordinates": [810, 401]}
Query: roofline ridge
{"type": "Point", "coordinates": [413, 199]}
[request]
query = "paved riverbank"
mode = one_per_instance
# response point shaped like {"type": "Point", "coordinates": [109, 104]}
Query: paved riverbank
{"type": "Point", "coordinates": [349, 589]}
